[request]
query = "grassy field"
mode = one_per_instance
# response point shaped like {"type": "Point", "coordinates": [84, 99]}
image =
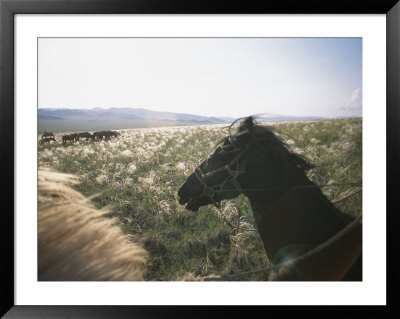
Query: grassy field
{"type": "Point", "coordinates": [139, 173]}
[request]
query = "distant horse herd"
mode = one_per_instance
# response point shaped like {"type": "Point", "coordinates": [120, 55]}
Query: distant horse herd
{"type": "Point", "coordinates": [47, 137]}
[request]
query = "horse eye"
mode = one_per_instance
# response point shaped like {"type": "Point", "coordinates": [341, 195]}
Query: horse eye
{"type": "Point", "coordinates": [240, 140]}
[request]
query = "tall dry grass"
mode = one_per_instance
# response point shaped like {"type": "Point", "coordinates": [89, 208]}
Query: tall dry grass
{"type": "Point", "coordinates": [139, 172]}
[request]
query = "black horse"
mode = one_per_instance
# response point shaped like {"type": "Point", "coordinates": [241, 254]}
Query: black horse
{"type": "Point", "coordinates": [99, 135]}
{"type": "Point", "coordinates": [293, 216]}
{"type": "Point", "coordinates": [115, 134]}
{"type": "Point", "coordinates": [46, 140]}
{"type": "Point", "coordinates": [47, 134]}
{"type": "Point", "coordinates": [86, 135]}
{"type": "Point", "coordinates": [106, 134]}
{"type": "Point", "coordinates": [70, 137]}
{"type": "Point", "coordinates": [75, 136]}
{"type": "Point", "coordinates": [109, 134]}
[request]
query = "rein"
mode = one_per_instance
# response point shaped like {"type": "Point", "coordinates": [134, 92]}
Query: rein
{"type": "Point", "coordinates": [356, 222]}
{"type": "Point", "coordinates": [292, 187]}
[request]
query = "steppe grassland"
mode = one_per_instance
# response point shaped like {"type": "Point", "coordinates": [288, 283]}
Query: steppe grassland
{"type": "Point", "coordinates": [138, 174]}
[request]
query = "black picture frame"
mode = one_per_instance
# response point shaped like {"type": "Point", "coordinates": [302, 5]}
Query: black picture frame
{"type": "Point", "coordinates": [8, 8]}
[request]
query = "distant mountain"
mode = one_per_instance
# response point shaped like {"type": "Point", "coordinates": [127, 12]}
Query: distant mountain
{"type": "Point", "coordinates": [287, 118]}
{"type": "Point", "coordinates": [63, 119]}
{"type": "Point", "coordinates": [50, 117]}
{"type": "Point", "coordinates": [124, 114]}
{"type": "Point", "coordinates": [270, 117]}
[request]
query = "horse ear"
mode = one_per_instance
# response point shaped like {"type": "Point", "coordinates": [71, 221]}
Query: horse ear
{"type": "Point", "coordinates": [246, 124]}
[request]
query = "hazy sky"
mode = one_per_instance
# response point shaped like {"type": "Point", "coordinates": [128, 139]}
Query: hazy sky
{"type": "Point", "coordinates": [205, 76]}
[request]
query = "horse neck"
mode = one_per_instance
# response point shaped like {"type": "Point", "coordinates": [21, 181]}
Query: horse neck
{"type": "Point", "coordinates": [289, 214]}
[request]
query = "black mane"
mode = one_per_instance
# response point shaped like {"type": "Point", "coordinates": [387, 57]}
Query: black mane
{"type": "Point", "coordinates": [266, 142]}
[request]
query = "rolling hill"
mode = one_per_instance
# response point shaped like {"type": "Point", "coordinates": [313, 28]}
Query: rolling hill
{"type": "Point", "coordinates": [64, 119]}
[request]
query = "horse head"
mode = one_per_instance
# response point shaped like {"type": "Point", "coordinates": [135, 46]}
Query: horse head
{"type": "Point", "coordinates": [220, 175]}
{"type": "Point", "coordinates": [250, 157]}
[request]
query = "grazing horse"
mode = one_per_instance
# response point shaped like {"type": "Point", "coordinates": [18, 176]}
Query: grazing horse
{"type": "Point", "coordinates": [112, 133]}
{"type": "Point", "coordinates": [108, 134]}
{"type": "Point", "coordinates": [75, 136]}
{"type": "Point", "coordinates": [99, 135]}
{"type": "Point", "coordinates": [47, 134]}
{"type": "Point", "coordinates": [46, 140]}
{"type": "Point", "coordinates": [75, 241]}
{"type": "Point", "coordinates": [71, 137]}
{"type": "Point", "coordinates": [292, 215]}
{"type": "Point", "coordinates": [86, 135]}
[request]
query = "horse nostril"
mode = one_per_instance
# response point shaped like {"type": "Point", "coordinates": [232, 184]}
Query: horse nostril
{"type": "Point", "coordinates": [182, 199]}
{"type": "Point", "coordinates": [180, 193]}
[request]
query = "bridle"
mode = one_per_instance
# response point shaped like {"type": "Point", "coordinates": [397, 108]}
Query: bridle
{"type": "Point", "coordinates": [233, 170]}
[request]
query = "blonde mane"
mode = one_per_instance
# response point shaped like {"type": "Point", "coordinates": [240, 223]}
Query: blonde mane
{"type": "Point", "coordinates": [75, 241]}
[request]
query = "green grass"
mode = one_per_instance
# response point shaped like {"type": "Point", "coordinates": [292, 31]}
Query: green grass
{"type": "Point", "coordinates": [138, 174]}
